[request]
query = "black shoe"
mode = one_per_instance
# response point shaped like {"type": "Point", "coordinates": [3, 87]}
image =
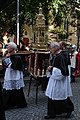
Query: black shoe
{"type": "Point", "coordinates": [68, 115]}
{"type": "Point", "coordinates": [21, 106]}
{"type": "Point", "coordinates": [72, 81]}
{"type": "Point", "coordinates": [49, 117]}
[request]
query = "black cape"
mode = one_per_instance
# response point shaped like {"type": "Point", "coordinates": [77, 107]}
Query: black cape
{"type": "Point", "coordinates": [16, 62]}
{"type": "Point", "coordinates": [60, 63]}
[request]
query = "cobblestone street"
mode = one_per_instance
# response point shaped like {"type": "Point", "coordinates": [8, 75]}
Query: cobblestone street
{"type": "Point", "coordinates": [37, 112]}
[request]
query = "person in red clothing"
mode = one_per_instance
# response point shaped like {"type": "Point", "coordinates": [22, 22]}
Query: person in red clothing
{"type": "Point", "coordinates": [77, 71]}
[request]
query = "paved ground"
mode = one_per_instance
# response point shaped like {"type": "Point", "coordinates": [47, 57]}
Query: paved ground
{"type": "Point", "coordinates": [37, 112]}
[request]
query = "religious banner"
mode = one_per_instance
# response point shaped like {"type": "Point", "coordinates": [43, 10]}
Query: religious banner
{"type": "Point", "coordinates": [38, 63]}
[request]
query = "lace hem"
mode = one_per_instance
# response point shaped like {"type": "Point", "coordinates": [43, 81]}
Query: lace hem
{"type": "Point", "coordinates": [13, 84]}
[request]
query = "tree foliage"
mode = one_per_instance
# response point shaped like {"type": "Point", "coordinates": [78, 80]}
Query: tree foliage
{"type": "Point", "coordinates": [54, 10]}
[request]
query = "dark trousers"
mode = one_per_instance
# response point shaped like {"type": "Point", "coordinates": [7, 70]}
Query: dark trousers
{"type": "Point", "coordinates": [72, 74]}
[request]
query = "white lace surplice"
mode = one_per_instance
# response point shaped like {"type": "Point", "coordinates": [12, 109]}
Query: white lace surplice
{"type": "Point", "coordinates": [58, 87]}
{"type": "Point", "coordinates": [13, 79]}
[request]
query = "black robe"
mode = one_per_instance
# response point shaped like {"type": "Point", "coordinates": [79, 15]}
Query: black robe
{"type": "Point", "coordinates": [18, 94]}
{"type": "Point", "coordinates": [2, 112]}
{"type": "Point", "coordinates": [60, 62]}
{"type": "Point", "coordinates": [60, 106]}
{"type": "Point", "coordinates": [16, 62]}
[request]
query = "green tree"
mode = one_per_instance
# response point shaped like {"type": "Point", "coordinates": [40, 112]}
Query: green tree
{"type": "Point", "coordinates": [54, 10]}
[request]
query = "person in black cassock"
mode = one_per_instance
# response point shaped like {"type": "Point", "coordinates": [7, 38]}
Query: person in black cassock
{"type": "Point", "coordinates": [58, 89]}
{"type": "Point", "coordinates": [66, 55]}
{"type": "Point", "coordinates": [2, 112]}
{"type": "Point", "coordinates": [13, 95]}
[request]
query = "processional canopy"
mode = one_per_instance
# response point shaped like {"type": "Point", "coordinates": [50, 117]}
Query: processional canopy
{"type": "Point", "coordinates": [39, 58]}
{"type": "Point", "coordinates": [40, 32]}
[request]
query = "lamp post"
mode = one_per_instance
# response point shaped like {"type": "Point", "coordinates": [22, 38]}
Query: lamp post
{"type": "Point", "coordinates": [18, 22]}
